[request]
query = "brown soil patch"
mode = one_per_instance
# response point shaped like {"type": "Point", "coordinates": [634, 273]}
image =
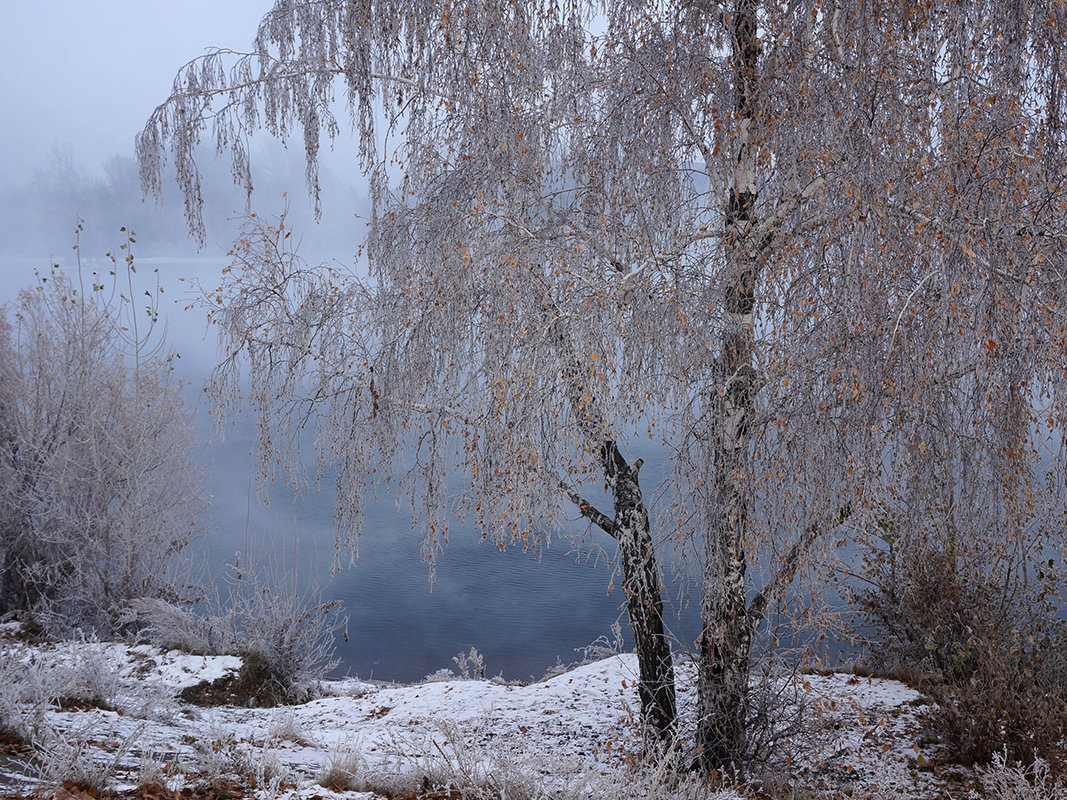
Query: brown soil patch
{"type": "Point", "coordinates": [252, 685]}
{"type": "Point", "coordinates": [217, 790]}
{"type": "Point", "coordinates": [83, 704]}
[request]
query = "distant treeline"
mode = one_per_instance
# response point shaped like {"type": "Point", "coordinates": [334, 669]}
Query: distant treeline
{"type": "Point", "coordinates": [40, 215]}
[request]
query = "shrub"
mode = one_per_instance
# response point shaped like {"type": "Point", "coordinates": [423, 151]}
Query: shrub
{"type": "Point", "coordinates": [1004, 780]}
{"type": "Point", "coordinates": [344, 770]}
{"type": "Point", "coordinates": [173, 627]}
{"type": "Point", "coordinates": [288, 633]}
{"type": "Point", "coordinates": [67, 759]}
{"type": "Point", "coordinates": [1005, 694]}
{"type": "Point", "coordinates": [455, 761]}
{"type": "Point", "coordinates": [287, 728]}
{"type": "Point", "coordinates": [984, 636]}
{"type": "Point", "coordinates": [284, 635]}
{"type": "Point", "coordinates": [471, 665]}
{"type": "Point", "coordinates": [83, 677]}
{"type": "Point", "coordinates": [12, 721]}
{"type": "Point", "coordinates": [98, 487]}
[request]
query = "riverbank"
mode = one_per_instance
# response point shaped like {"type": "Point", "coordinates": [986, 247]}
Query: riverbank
{"type": "Point", "coordinates": [108, 718]}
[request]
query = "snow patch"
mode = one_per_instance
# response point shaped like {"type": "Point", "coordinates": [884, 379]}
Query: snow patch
{"type": "Point", "coordinates": [858, 731]}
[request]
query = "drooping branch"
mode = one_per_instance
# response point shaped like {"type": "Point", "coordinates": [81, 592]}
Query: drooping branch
{"type": "Point", "coordinates": [789, 205]}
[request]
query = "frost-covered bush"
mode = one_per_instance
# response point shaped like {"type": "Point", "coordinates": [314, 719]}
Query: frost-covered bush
{"type": "Point", "coordinates": [344, 770]}
{"type": "Point", "coordinates": [218, 756]}
{"type": "Point", "coordinates": [287, 728]}
{"type": "Point", "coordinates": [13, 714]}
{"type": "Point", "coordinates": [84, 676]}
{"type": "Point", "coordinates": [602, 647]}
{"type": "Point", "coordinates": [65, 758]}
{"type": "Point", "coordinates": [173, 627]}
{"type": "Point", "coordinates": [443, 675]}
{"type": "Point", "coordinates": [1004, 780]}
{"type": "Point", "coordinates": [292, 631]}
{"type": "Point", "coordinates": [980, 628]}
{"type": "Point", "coordinates": [98, 488]}
{"type": "Point", "coordinates": [88, 676]}
{"type": "Point", "coordinates": [32, 683]}
{"type": "Point", "coordinates": [471, 665]}
{"type": "Point", "coordinates": [286, 635]}
{"type": "Point", "coordinates": [458, 761]}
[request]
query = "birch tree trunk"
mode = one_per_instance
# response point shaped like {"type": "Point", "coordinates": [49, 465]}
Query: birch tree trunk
{"type": "Point", "coordinates": [629, 527]}
{"type": "Point", "coordinates": [641, 584]}
{"type": "Point", "coordinates": [727, 632]}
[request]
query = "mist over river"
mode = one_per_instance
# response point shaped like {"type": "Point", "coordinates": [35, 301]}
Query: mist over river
{"type": "Point", "coordinates": [522, 611]}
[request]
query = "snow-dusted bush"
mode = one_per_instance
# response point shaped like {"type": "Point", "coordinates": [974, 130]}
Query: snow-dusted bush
{"type": "Point", "coordinates": [976, 614]}
{"type": "Point", "coordinates": [13, 712]}
{"type": "Point", "coordinates": [471, 665]}
{"type": "Point", "coordinates": [442, 675]}
{"type": "Point", "coordinates": [777, 711]}
{"type": "Point", "coordinates": [173, 627]}
{"type": "Point", "coordinates": [86, 676]}
{"type": "Point", "coordinates": [286, 635]}
{"type": "Point", "coordinates": [287, 728]}
{"type": "Point", "coordinates": [458, 761]}
{"type": "Point", "coordinates": [222, 755]}
{"type": "Point", "coordinates": [292, 631]}
{"type": "Point", "coordinates": [344, 770]}
{"type": "Point", "coordinates": [214, 755]}
{"type": "Point", "coordinates": [31, 683]}
{"type": "Point", "coordinates": [64, 758]}
{"type": "Point", "coordinates": [602, 647]}
{"type": "Point", "coordinates": [98, 488]}
{"type": "Point", "coordinates": [1003, 780]}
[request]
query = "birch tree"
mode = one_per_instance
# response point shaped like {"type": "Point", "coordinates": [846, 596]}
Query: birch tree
{"type": "Point", "coordinates": [815, 247]}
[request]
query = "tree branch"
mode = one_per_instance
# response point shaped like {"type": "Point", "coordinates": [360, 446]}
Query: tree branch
{"type": "Point", "coordinates": [791, 563]}
{"type": "Point", "coordinates": [789, 205]}
{"type": "Point", "coordinates": [589, 511]}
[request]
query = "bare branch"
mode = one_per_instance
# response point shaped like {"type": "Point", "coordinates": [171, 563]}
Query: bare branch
{"type": "Point", "coordinates": [791, 563]}
{"type": "Point", "coordinates": [598, 518]}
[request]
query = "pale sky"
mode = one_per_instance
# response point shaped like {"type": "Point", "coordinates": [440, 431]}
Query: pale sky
{"type": "Point", "coordinates": [90, 73]}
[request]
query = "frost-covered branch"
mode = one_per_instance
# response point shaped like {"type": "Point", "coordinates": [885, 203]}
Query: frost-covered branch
{"type": "Point", "coordinates": [589, 511]}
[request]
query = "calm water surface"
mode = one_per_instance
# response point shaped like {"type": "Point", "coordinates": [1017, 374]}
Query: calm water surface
{"type": "Point", "coordinates": [521, 611]}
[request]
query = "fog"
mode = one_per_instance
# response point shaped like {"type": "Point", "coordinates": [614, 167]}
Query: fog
{"type": "Point", "coordinates": [88, 74]}
{"type": "Point", "coordinates": [79, 80]}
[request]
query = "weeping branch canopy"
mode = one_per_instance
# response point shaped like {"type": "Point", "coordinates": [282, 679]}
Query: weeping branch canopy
{"type": "Point", "coordinates": [551, 187]}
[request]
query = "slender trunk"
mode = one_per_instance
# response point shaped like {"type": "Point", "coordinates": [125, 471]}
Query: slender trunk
{"type": "Point", "coordinates": [644, 602]}
{"type": "Point", "coordinates": [631, 529]}
{"type": "Point", "coordinates": [727, 631]}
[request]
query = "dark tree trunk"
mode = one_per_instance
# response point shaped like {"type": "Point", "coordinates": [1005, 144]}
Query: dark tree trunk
{"type": "Point", "coordinates": [631, 529]}
{"type": "Point", "coordinates": [644, 601]}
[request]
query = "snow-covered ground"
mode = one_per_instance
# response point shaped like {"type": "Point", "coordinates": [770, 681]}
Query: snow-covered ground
{"type": "Point", "coordinates": [860, 736]}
